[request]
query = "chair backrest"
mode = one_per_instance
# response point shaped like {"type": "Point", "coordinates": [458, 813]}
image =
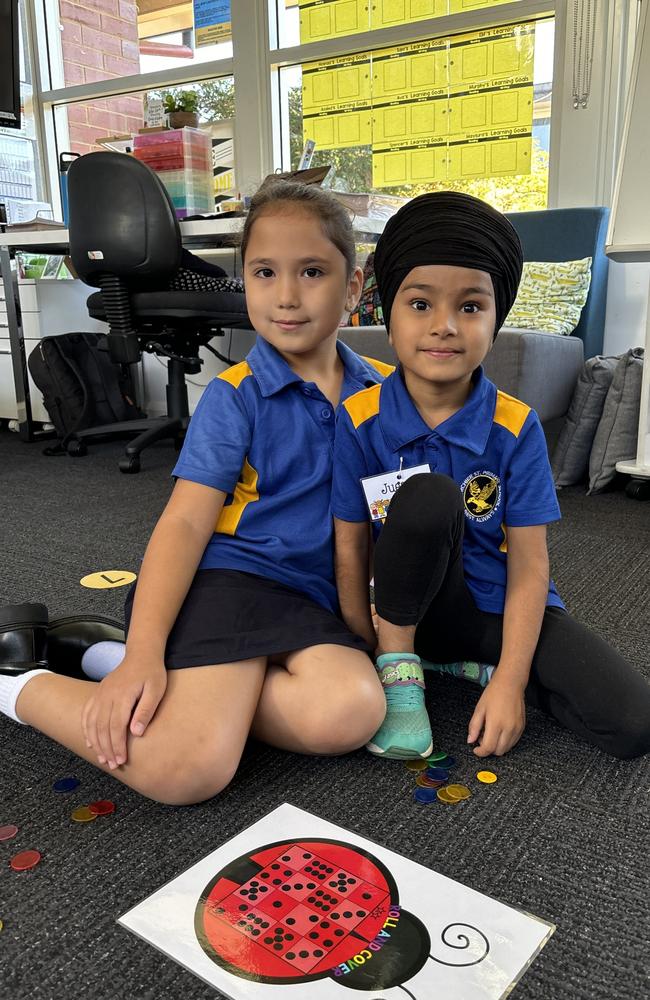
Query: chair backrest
{"type": "Point", "coordinates": [557, 234]}
{"type": "Point", "coordinates": [122, 222]}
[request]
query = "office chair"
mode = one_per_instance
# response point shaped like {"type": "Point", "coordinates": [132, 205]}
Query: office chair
{"type": "Point", "coordinates": [125, 240]}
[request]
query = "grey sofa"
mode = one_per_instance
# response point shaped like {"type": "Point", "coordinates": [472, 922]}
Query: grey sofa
{"type": "Point", "coordinates": [539, 368]}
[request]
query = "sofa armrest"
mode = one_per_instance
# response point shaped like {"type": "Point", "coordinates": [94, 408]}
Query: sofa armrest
{"type": "Point", "coordinates": [539, 368]}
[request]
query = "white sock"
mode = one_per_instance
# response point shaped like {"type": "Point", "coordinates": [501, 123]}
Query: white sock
{"type": "Point", "coordinates": [102, 658]}
{"type": "Point", "coordinates": [10, 688]}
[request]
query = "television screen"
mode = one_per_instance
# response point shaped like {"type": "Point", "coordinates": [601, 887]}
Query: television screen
{"type": "Point", "coordinates": [9, 65]}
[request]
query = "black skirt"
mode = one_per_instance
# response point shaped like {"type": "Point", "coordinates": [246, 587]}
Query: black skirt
{"type": "Point", "coordinates": [229, 616]}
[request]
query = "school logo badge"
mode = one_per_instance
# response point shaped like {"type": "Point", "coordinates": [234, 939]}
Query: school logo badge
{"type": "Point", "coordinates": [481, 495]}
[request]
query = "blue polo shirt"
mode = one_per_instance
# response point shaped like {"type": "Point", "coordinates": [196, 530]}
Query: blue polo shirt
{"type": "Point", "coordinates": [266, 438]}
{"type": "Point", "coordinates": [493, 448]}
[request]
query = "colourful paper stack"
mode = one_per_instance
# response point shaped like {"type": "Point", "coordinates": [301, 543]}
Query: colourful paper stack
{"type": "Point", "coordinates": [182, 158]}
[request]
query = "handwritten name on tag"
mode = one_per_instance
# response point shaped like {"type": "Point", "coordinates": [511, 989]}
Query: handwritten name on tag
{"type": "Point", "coordinates": [379, 490]}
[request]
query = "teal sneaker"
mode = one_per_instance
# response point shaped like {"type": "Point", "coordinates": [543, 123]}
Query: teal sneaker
{"type": "Point", "coordinates": [468, 670]}
{"type": "Point", "coordinates": [405, 733]}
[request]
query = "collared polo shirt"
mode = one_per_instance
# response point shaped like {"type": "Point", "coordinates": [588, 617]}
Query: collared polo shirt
{"type": "Point", "coordinates": [493, 448]}
{"type": "Point", "coordinates": [266, 438]}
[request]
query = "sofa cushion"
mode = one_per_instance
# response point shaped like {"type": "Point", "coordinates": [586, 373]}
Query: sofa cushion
{"type": "Point", "coordinates": [616, 437]}
{"type": "Point", "coordinates": [551, 295]}
{"type": "Point", "coordinates": [571, 456]}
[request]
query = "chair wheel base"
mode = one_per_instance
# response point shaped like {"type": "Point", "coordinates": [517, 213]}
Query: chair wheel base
{"type": "Point", "coordinates": [129, 465]}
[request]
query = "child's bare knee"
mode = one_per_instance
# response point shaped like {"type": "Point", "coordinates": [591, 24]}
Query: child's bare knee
{"type": "Point", "coordinates": [346, 717]}
{"type": "Point", "coordinates": [188, 782]}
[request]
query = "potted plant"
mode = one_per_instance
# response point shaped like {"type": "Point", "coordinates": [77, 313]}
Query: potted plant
{"type": "Point", "coordinates": [181, 109]}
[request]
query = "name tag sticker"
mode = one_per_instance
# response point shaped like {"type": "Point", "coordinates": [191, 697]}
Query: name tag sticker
{"type": "Point", "coordinates": [379, 490]}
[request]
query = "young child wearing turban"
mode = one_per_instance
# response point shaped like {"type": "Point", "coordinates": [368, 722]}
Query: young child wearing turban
{"type": "Point", "coordinates": [455, 479]}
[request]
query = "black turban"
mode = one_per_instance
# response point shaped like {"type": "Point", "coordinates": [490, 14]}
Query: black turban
{"type": "Point", "coordinates": [446, 227]}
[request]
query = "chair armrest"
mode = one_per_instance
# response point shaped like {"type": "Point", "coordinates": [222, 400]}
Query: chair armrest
{"type": "Point", "coordinates": [539, 368]}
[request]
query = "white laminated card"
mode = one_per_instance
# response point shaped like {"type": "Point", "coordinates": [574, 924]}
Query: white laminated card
{"type": "Point", "coordinates": [297, 907]}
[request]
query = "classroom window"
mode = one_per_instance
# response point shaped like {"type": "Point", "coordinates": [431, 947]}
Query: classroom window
{"type": "Point", "coordinates": [115, 123]}
{"type": "Point", "coordinates": [21, 181]}
{"type": "Point", "coordinates": [96, 40]}
{"type": "Point", "coordinates": [302, 21]}
{"type": "Point", "coordinates": [469, 112]}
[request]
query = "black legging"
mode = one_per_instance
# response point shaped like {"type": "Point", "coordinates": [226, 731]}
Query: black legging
{"type": "Point", "coordinates": [575, 676]}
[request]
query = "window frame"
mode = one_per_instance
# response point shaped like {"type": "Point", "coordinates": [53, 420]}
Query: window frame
{"type": "Point", "coordinates": [588, 138]}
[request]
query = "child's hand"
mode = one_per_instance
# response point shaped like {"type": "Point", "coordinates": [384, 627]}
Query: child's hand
{"type": "Point", "coordinates": [125, 700]}
{"type": "Point", "coordinates": [499, 718]}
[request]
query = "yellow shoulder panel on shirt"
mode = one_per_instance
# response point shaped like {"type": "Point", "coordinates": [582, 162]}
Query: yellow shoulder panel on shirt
{"type": "Point", "coordinates": [363, 405]}
{"type": "Point", "coordinates": [380, 366]}
{"type": "Point", "coordinates": [511, 413]}
{"type": "Point", "coordinates": [236, 374]}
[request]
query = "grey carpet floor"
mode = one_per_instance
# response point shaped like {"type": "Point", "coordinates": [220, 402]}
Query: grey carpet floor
{"type": "Point", "coordinates": [564, 834]}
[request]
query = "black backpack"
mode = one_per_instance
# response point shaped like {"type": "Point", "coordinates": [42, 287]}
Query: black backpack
{"type": "Point", "coordinates": [80, 384]}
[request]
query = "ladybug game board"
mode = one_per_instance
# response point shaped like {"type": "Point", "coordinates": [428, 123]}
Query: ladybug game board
{"type": "Point", "coordinates": [297, 903]}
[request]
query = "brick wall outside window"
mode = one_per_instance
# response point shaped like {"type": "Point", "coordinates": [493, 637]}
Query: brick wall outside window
{"type": "Point", "coordinates": [99, 42]}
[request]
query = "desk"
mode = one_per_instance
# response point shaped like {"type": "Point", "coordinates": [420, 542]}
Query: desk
{"type": "Point", "coordinates": [197, 234]}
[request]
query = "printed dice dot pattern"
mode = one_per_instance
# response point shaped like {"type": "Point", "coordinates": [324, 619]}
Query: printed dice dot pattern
{"type": "Point", "coordinates": [299, 907]}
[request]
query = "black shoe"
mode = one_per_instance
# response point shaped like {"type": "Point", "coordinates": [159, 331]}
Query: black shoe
{"type": "Point", "coordinates": [23, 638]}
{"type": "Point", "coordinates": [69, 638]}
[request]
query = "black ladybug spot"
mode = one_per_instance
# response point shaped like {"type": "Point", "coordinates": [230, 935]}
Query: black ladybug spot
{"type": "Point", "coordinates": [325, 924]}
{"type": "Point", "coordinates": [255, 933]}
{"type": "Point", "coordinates": [287, 874]}
{"type": "Point", "coordinates": [278, 904]}
{"type": "Point", "coordinates": [307, 856]}
{"type": "Point", "coordinates": [328, 943]}
{"type": "Point", "coordinates": [336, 916]}
{"type": "Point", "coordinates": [298, 885]}
{"type": "Point", "coordinates": [311, 885]}
{"type": "Point", "coordinates": [290, 955]}
{"type": "Point", "coordinates": [275, 867]}
{"type": "Point", "coordinates": [265, 923]}
{"type": "Point", "coordinates": [277, 881]}
{"type": "Point", "coordinates": [264, 875]}
{"type": "Point", "coordinates": [268, 940]}
{"type": "Point", "coordinates": [313, 935]}
{"type": "Point", "coordinates": [311, 899]}
{"type": "Point", "coordinates": [286, 857]}
{"type": "Point", "coordinates": [277, 947]}
{"type": "Point", "coordinates": [351, 881]}
{"type": "Point", "coordinates": [318, 953]}
{"type": "Point", "coordinates": [304, 954]}
{"type": "Point", "coordinates": [242, 908]}
{"type": "Point", "coordinates": [347, 913]}
{"type": "Point", "coordinates": [285, 888]}
{"type": "Point", "coordinates": [338, 932]}
{"type": "Point", "coordinates": [361, 913]}
{"type": "Point", "coordinates": [291, 921]}
{"type": "Point", "coordinates": [314, 919]}
{"type": "Point", "coordinates": [367, 895]}
{"type": "Point", "coordinates": [289, 937]}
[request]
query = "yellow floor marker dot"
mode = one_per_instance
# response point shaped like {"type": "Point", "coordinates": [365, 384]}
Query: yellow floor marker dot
{"type": "Point", "coordinates": [107, 579]}
{"type": "Point", "coordinates": [487, 777]}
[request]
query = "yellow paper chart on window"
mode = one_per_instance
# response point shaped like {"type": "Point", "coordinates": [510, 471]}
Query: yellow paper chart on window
{"type": "Point", "coordinates": [420, 104]}
{"type": "Point", "coordinates": [467, 159]}
{"type": "Point", "coordinates": [336, 102]}
{"type": "Point", "coordinates": [321, 19]}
